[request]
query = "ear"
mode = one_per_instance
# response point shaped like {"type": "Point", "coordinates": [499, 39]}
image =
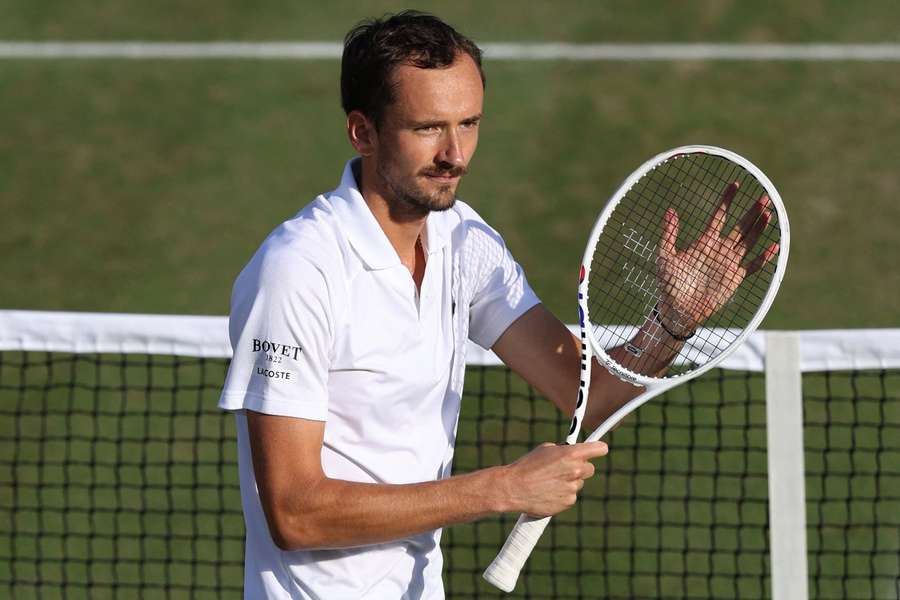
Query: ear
{"type": "Point", "coordinates": [362, 133]}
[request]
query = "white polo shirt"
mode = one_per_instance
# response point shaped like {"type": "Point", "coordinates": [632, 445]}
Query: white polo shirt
{"type": "Point", "coordinates": [326, 324]}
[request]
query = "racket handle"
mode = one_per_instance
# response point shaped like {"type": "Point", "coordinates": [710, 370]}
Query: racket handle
{"type": "Point", "coordinates": [503, 572]}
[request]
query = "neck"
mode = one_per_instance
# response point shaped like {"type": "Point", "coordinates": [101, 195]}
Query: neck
{"type": "Point", "coordinates": [402, 230]}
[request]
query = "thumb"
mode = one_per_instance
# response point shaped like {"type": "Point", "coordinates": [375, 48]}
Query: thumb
{"type": "Point", "coordinates": [588, 450]}
{"type": "Point", "coordinates": [669, 234]}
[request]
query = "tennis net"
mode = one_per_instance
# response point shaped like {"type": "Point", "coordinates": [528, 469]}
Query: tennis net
{"type": "Point", "coordinates": [118, 474]}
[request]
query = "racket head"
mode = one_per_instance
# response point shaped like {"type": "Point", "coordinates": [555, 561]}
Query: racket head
{"type": "Point", "coordinates": [617, 286]}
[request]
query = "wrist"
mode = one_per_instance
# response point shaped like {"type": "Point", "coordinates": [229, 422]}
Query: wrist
{"type": "Point", "coordinates": [677, 330]}
{"type": "Point", "coordinates": [500, 490]}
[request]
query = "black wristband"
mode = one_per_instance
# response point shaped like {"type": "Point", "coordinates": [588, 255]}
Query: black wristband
{"type": "Point", "coordinates": [658, 319]}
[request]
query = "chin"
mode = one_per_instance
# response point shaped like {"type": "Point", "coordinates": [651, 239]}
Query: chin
{"type": "Point", "coordinates": [442, 206]}
{"type": "Point", "coordinates": [444, 200]}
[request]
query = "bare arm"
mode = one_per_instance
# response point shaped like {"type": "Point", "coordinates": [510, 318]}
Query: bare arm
{"type": "Point", "coordinates": [542, 350]}
{"type": "Point", "coordinates": [306, 509]}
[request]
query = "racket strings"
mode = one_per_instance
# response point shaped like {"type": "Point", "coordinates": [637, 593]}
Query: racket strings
{"type": "Point", "coordinates": [712, 192]}
{"type": "Point", "coordinates": [750, 190]}
{"type": "Point", "coordinates": [624, 283]}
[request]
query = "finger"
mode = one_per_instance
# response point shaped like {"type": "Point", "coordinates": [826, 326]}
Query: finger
{"type": "Point", "coordinates": [767, 255]}
{"type": "Point", "coordinates": [588, 450]}
{"type": "Point", "coordinates": [588, 470]}
{"type": "Point", "coordinates": [750, 219]}
{"type": "Point", "coordinates": [717, 220]}
{"type": "Point", "coordinates": [756, 230]}
{"type": "Point", "coordinates": [669, 234]}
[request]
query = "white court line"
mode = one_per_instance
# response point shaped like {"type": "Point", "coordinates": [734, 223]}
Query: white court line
{"type": "Point", "coordinates": [494, 51]}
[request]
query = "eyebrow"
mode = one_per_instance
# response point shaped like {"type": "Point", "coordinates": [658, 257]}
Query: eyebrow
{"type": "Point", "coordinates": [438, 122]}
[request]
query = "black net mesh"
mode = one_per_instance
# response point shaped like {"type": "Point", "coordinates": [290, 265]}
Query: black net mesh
{"type": "Point", "coordinates": [118, 479]}
{"type": "Point", "coordinates": [678, 509]}
{"type": "Point", "coordinates": [853, 484]}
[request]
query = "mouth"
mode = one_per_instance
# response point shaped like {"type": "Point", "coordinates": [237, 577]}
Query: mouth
{"type": "Point", "coordinates": [445, 177]}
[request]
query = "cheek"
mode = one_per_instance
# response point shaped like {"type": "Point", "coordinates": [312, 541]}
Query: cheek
{"type": "Point", "coordinates": [471, 144]}
{"type": "Point", "coordinates": [413, 152]}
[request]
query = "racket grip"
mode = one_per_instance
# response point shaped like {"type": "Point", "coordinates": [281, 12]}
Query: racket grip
{"type": "Point", "coordinates": [503, 572]}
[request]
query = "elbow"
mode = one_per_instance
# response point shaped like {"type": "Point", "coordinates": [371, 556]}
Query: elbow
{"type": "Point", "coordinates": [285, 531]}
{"type": "Point", "coordinates": [297, 523]}
{"type": "Point", "coordinates": [290, 531]}
{"type": "Point", "coordinates": [289, 537]}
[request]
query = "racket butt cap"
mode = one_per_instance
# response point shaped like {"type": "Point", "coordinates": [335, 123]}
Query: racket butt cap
{"type": "Point", "coordinates": [501, 577]}
{"type": "Point", "coordinates": [504, 570]}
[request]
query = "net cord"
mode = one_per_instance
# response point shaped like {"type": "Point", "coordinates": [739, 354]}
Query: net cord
{"type": "Point", "coordinates": [207, 336]}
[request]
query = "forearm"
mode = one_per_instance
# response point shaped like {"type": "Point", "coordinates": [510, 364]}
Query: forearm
{"type": "Point", "coordinates": [305, 509]}
{"type": "Point", "coordinates": [655, 352]}
{"type": "Point", "coordinates": [334, 513]}
{"type": "Point", "coordinates": [546, 354]}
{"type": "Point", "coordinates": [649, 352]}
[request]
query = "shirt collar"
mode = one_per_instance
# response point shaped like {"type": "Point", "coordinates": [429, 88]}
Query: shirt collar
{"type": "Point", "coordinates": [367, 236]}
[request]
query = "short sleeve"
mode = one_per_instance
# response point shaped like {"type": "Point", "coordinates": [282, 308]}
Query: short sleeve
{"type": "Point", "coordinates": [501, 291]}
{"type": "Point", "coordinates": [281, 329]}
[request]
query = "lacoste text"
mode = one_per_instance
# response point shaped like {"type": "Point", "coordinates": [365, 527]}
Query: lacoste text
{"type": "Point", "coordinates": [273, 374]}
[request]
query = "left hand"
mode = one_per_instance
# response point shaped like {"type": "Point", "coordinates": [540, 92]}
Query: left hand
{"type": "Point", "coordinates": [698, 280]}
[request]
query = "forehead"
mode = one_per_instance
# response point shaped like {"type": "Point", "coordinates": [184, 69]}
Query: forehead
{"type": "Point", "coordinates": [448, 93]}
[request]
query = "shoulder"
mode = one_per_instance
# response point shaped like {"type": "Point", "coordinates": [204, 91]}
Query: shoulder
{"type": "Point", "coordinates": [466, 222]}
{"type": "Point", "coordinates": [302, 253]}
{"type": "Point", "coordinates": [472, 234]}
{"type": "Point", "coordinates": [312, 235]}
{"type": "Point", "coordinates": [478, 249]}
{"type": "Point", "coordinates": [464, 214]}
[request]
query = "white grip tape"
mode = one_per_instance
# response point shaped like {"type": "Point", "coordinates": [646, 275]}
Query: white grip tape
{"type": "Point", "coordinates": [503, 572]}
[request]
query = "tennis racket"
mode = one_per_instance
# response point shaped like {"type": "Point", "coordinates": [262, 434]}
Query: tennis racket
{"type": "Point", "coordinates": [695, 236]}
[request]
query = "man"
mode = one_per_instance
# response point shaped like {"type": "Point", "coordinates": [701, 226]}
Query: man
{"type": "Point", "coordinates": [349, 328]}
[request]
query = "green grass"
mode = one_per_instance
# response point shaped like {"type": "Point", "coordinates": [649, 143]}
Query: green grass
{"type": "Point", "coordinates": [498, 20]}
{"type": "Point", "coordinates": [146, 186]}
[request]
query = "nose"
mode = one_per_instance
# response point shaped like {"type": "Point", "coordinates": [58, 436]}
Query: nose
{"type": "Point", "coordinates": [451, 152]}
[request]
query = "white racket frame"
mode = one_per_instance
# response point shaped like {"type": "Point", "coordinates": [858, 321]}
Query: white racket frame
{"type": "Point", "coordinates": [504, 571]}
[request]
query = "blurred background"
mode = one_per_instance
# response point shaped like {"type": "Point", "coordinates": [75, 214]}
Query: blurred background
{"type": "Point", "coordinates": [144, 186]}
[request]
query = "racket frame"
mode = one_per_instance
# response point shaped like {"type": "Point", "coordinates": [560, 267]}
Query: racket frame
{"type": "Point", "coordinates": [784, 247]}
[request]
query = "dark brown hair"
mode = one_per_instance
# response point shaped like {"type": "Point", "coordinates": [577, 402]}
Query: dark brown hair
{"type": "Point", "coordinates": [374, 47]}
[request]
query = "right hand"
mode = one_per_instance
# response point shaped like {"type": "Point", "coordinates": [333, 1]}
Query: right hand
{"type": "Point", "coordinates": [546, 481]}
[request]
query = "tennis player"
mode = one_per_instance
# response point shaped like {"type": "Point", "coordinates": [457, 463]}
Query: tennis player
{"type": "Point", "coordinates": [349, 327]}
